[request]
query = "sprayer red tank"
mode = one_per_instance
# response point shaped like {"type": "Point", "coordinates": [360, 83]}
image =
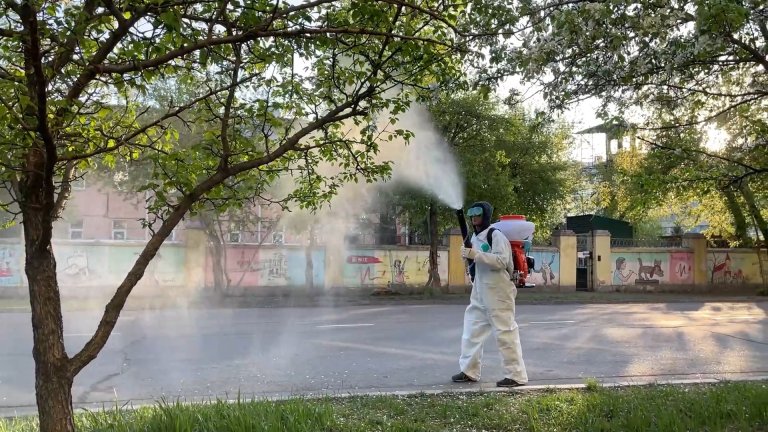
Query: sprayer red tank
{"type": "Point", "coordinates": [517, 230]}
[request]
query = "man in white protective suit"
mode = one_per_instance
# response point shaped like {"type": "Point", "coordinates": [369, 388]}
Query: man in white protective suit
{"type": "Point", "coordinates": [492, 303]}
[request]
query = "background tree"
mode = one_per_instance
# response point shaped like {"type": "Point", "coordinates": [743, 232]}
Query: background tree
{"type": "Point", "coordinates": [643, 186]}
{"type": "Point", "coordinates": [220, 226]}
{"type": "Point", "coordinates": [673, 68]}
{"type": "Point", "coordinates": [508, 156]}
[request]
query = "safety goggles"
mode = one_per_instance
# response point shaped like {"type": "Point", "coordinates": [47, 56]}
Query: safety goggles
{"type": "Point", "coordinates": [475, 211]}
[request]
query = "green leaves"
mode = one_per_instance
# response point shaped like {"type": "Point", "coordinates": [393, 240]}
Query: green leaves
{"type": "Point", "coordinates": [720, 16]}
{"type": "Point", "coordinates": [673, 69]}
{"type": "Point", "coordinates": [197, 101]}
{"type": "Point", "coordinates": [171, 19]}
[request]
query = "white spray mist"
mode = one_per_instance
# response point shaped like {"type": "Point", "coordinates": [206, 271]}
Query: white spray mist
{"type": "Point", "coordinates": [427, 163]}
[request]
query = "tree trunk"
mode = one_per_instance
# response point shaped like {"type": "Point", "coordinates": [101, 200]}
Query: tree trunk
{"type": "Point", "coordinates": [53, 381]}
{"type": "Point", "coordinates": [309, 271]}
{"type": "Point", "coordinates": [219, 272]}
{"type": "Point", "coordinates": [53, 376]}
{"type": "Point", "coordinates": [214, 230]}
{"type": "Point", "coordinates": [221, 243]}
{"type": "Point", "coordinates": [739, 221]}
{"type": "Point", "coordinates": [434, 274]}
{"type": "Point", "coordinates": [754, 210]}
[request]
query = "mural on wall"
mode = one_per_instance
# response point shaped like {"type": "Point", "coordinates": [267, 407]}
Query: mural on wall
{"type": "Point", "coordinates": [288, 267]}
{"type": "Point", "coordinates": [254, 266]}
{"type": "Point", "coordinates": [681, 268]}
{"type": "Point", "coordinates": [75, 265]}
{"type": "Point", "coordinates": [649, 268]}
{"type": "Point", "coordinates": [367, 268]}
{"type": "Point", "coordinates": [166, 269]}
{"type": "Point", "coordinates": [733, 268]}
{"type": "Point", "coordinates": [546, 269]}
{"type": "Point", "coordinates": [392, 267]}
{"type": "Point", "coordinates": [105, 265]}
{"type": "Point", "coordinates": [11, 273]}
{"type": "Point", "coordinates": [275, 268]}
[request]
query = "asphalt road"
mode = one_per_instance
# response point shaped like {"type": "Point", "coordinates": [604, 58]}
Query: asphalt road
{"type": "Point", "coordinates": [205, 353]}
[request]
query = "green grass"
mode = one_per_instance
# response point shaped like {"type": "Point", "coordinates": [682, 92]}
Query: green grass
{"type": "Point", "coordinates": [592, 384]}
{"type": "Point", "coordinates": [286, 416]}
{"type": "Point", "coordinates": [720, 407]}
{"type": "Point", "coordinates": [737, 407]}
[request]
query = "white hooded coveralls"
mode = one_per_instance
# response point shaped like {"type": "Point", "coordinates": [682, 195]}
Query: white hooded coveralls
{"type": "Point", "coordinates": [492, 307]}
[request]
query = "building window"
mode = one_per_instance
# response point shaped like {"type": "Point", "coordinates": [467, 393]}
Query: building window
{"type": "Point", "coordinates": [119, 230]}
{"type": "Point", "coordinates": [266, 232]}
{"type": "Point", "coordinates": [235, 233]}
{"type": "Point", "coordinates": [76, 230]}
{"type": "Point", "coordinates": [278, 238]}
{"type": "Point", "coordinates": [235, 237]}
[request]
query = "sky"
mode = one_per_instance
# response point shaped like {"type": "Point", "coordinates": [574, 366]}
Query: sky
{"type": "Point", "coordinates": [580, 116]}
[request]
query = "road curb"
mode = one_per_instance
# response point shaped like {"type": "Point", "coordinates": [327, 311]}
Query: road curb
{"type": "Point", "coordinates": [491, 388]}
{"type": "Point", "coordinates": [527, 299]}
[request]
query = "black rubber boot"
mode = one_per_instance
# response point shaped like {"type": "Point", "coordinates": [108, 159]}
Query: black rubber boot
{"type": "Point", "coordinates": [462, 377]}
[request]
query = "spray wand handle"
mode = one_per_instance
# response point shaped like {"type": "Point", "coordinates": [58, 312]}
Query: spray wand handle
{"type": "Point", "coordinates": [463, 228]}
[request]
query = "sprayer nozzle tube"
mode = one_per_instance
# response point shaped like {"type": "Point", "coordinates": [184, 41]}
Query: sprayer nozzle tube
{"type": "Point", "coordinates": [463, 227]}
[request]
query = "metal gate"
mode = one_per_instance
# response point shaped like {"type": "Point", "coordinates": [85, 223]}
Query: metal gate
{"type": "Point", "coordinates": [584, 262]}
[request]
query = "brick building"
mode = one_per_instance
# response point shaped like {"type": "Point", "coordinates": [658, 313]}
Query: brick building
{"type": "Point", "coordinates": [99, 212]}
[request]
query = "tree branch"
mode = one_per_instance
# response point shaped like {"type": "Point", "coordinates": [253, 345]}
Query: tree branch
{"type": "Point", "coordinates": [89, 73]}
{"type": "Point", "coordinates": [763, 30]}
{"type": "Point", "coordinates": [699, 90]}
{"type": "Point", "coordinates": [37, 87]}
{"type": "Point", "coordinates": [708, 118]}
{"type": "Point", "coordinates": [756, 55]}
{"type": "Point", "coordinates": [13, 6]}
{"type": "Point", "coordinates": [7, 76]}
{"type": "Point", "coordinates": [703, 153]}
{"type": "Point", "coordinates": [249, 36]}
{"type": "Point", "coordinates": [110, 5]}
{"type": "Point", "coordinates": [127, 140]}
{"type": "Point", "coordinates": [17, 117]}
{"type": "Point", "coordinates": [436, 16]}
{"type": "Point", "coordinates": [225, 146]}
{"type": "Point", "coordinates": [68, 47]}
{"type": "Point", "coordinates": [334, 115]}
{"type": "Point", "coordinates": [8, 33]}
{"type": "Point", "coordinates": [66, 189]}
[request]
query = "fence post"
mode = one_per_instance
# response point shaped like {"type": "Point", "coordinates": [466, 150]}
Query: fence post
{"type": "Point", "coordinates": [697, 242]}
{"type": "Point", "coordinates": [196, 243]}
{"type": "Point", "coordinates": [456, 270]}
{"type": "Point", "coordinates": [565, 241]}
{"type": "Point", "coordinates": [601, 259]}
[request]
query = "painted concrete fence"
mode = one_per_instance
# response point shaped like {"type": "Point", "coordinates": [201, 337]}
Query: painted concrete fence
{"type": "Point", "coordinates": [253, 267]}
{"type": "Point", "coordinates": [651, 267]}
{"type": "Point", "coordinates": [85, 267]}
{"type": "Point", "coordinates": [669, 267]}
{"type": "Point", "coordinates": [694, 267]}
{"type": "Point", "coordinates": [88, 267]}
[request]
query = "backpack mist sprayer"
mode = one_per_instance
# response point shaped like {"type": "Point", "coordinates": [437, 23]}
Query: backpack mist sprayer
{"type": "Point", "coordinates": [518, 232]}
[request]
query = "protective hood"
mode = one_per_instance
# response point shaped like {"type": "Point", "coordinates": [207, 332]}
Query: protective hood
{"type": "Point", "coordinates": [487, 214]}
